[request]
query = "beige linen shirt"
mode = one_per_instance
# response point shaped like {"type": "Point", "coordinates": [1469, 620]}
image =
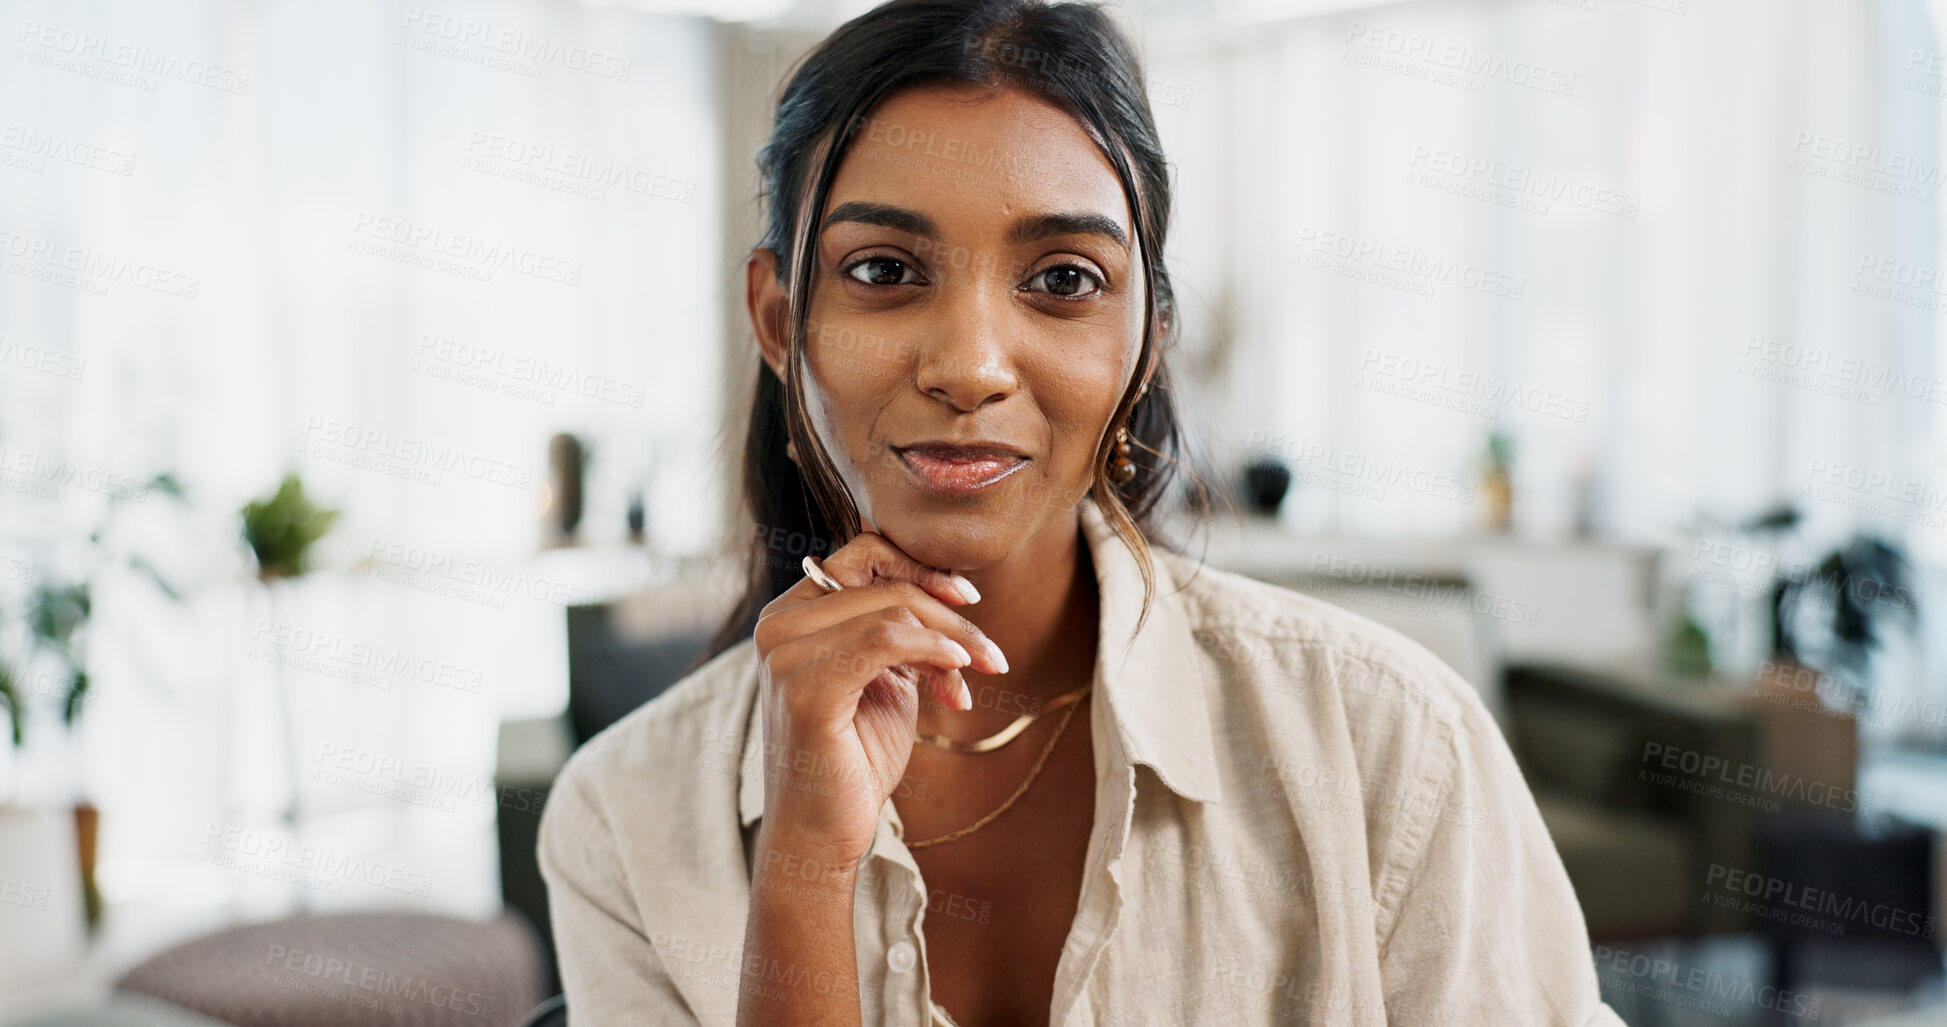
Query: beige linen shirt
{"type": "Point", "coordinates": [1300, 817]}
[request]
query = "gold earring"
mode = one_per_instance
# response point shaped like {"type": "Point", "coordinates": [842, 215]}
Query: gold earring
{"type": "Point", "coordinates": [1122, 470]}
{"type": "Point", "coordinates": [791, 450]}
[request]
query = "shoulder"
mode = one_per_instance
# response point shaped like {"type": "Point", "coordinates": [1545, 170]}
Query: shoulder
{"type": "Point", "coordinates": [1313, 684]}
{"type": "Point", "coordinates": [1251, 626]}
{"type": "Point", "coordinates": [681, 747]}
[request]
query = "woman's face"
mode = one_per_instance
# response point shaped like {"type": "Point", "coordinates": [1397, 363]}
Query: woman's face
{"type": "Point", "coordinates": [978, 284]}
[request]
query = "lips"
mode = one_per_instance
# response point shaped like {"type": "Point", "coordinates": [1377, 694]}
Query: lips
{"type": "Point", "coordinates": [956, 469]}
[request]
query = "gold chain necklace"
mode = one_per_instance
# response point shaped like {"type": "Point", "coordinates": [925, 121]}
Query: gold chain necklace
{"type": "Point", "coordinates": [1006, 734]}
{"type": "Point", "coordinates": [815, 570]}
{"type": "Point", "coordinates": [1032, 774]}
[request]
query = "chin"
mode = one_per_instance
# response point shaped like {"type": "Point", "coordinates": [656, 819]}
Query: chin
{"type": "Point", "coordinates": [952, 536]}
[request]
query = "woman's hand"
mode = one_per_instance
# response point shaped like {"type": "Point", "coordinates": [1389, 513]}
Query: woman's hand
{"type": "Point", "coordinates": [839, 680]}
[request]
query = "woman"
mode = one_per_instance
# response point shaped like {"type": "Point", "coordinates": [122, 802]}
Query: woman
{"type": "Point", "coordinates": [1142, 791]}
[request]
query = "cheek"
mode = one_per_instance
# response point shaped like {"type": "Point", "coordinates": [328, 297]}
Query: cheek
{"type": "Point", "coordinates": [1078, 398]}
{"type": "Point", "coordinates": [850, 376]}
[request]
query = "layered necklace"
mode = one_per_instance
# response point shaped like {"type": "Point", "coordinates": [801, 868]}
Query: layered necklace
{"type": "Point", "coordinates": [1068, 704]}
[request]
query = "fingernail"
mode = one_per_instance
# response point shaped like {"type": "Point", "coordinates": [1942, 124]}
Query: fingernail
{"type": "Point", "coordinates": [967, 589]}
{"type": "Point", "coordinates": [966, 697]}
{"type": "Point", "coordinates": [966, 658]}
{"type": "Point", "coordinates": [995, 651]}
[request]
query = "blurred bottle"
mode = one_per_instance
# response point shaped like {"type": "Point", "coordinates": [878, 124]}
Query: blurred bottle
{"type": "Point", "coordinates": [1498, 483]}
{"type": "Point", "coordinates": [561, 511]}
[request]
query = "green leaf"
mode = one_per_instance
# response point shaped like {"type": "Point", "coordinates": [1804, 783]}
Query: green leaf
{"type": "Point", "coordinates": [58, 612]}
{"type": "Point", "coordinates": [281, 529]}
{"type": "Point", "coordinates": [77, 694]}
{"type": "Point", "coordinates": [10, 701]}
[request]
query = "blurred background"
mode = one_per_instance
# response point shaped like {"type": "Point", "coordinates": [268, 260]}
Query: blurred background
{"type": "Point", "coordinates": [371, 373]}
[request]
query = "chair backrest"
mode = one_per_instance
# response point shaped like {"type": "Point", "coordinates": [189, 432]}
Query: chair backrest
{"type": "Point", "coordinates": [610, 674]}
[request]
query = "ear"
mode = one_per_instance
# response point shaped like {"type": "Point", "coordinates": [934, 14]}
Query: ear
{"type": "Point", "coordinates": [764, 296]}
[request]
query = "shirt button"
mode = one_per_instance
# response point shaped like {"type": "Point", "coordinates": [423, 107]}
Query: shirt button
{"type": "Point", "coordinates": [901, 957]}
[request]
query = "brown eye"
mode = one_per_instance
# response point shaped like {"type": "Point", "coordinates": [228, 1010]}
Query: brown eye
{"type": "Point", "coordinates": [882, 271]}
{"type": "Point", "coordinates": [1066, 281]}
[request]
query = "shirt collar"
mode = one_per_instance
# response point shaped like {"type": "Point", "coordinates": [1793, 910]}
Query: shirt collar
{"type": "Point", "coordinates": [1150, 687]}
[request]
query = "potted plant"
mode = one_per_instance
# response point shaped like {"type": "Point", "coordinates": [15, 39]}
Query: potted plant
{"type": "Point", "coordinates": [58, 615]}
{"type": "Point", "coordinates": [1827, 615]}
{"type": "Point", "coordinates": [1831, 617]}
{"type": "Point", "coordinates": [280, 530]}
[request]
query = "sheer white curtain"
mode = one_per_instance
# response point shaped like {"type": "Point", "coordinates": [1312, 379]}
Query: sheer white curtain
{"type": "Point", "coordinates": [1685, 257]}
{"type": "Point", "coordinates": [1605, 232]}
{"type": "Point", "coordinates": [394, 246]}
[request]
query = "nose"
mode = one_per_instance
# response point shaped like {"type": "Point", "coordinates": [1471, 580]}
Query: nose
{"type": "Point", "coordinates": [965, 361]}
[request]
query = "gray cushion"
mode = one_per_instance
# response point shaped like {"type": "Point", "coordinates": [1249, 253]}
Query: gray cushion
{"type": "Point", "coordinates": [351, 970]}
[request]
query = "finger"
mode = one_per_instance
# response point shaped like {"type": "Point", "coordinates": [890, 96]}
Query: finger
{"type": "Point", "coordinates": [936, 687]}
{"type": "Point", "coordinates": [949, 688]}
{"type": "Point", "coordinates": [846, 657]}
{"type": "Point", "coordinates": [836, 607]}
{"type": "Point", "coordinates": [871, 557]}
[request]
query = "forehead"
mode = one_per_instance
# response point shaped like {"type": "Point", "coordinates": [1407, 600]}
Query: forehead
{"type": "Point", "coordinates": [971, 155]}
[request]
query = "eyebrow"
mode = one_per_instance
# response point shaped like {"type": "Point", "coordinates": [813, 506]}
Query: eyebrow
{"type": "Point", "coordinates": [1048, 226]}
{"type": "Point", "coordinates": [1028, 229]}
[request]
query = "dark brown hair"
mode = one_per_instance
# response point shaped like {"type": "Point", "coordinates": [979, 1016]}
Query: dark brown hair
{"type": "Point", "coordinates": [1072, 56]}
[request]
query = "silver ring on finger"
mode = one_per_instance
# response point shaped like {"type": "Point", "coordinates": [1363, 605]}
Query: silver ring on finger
{"type": "Point", "coordinates": [819, 575]}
